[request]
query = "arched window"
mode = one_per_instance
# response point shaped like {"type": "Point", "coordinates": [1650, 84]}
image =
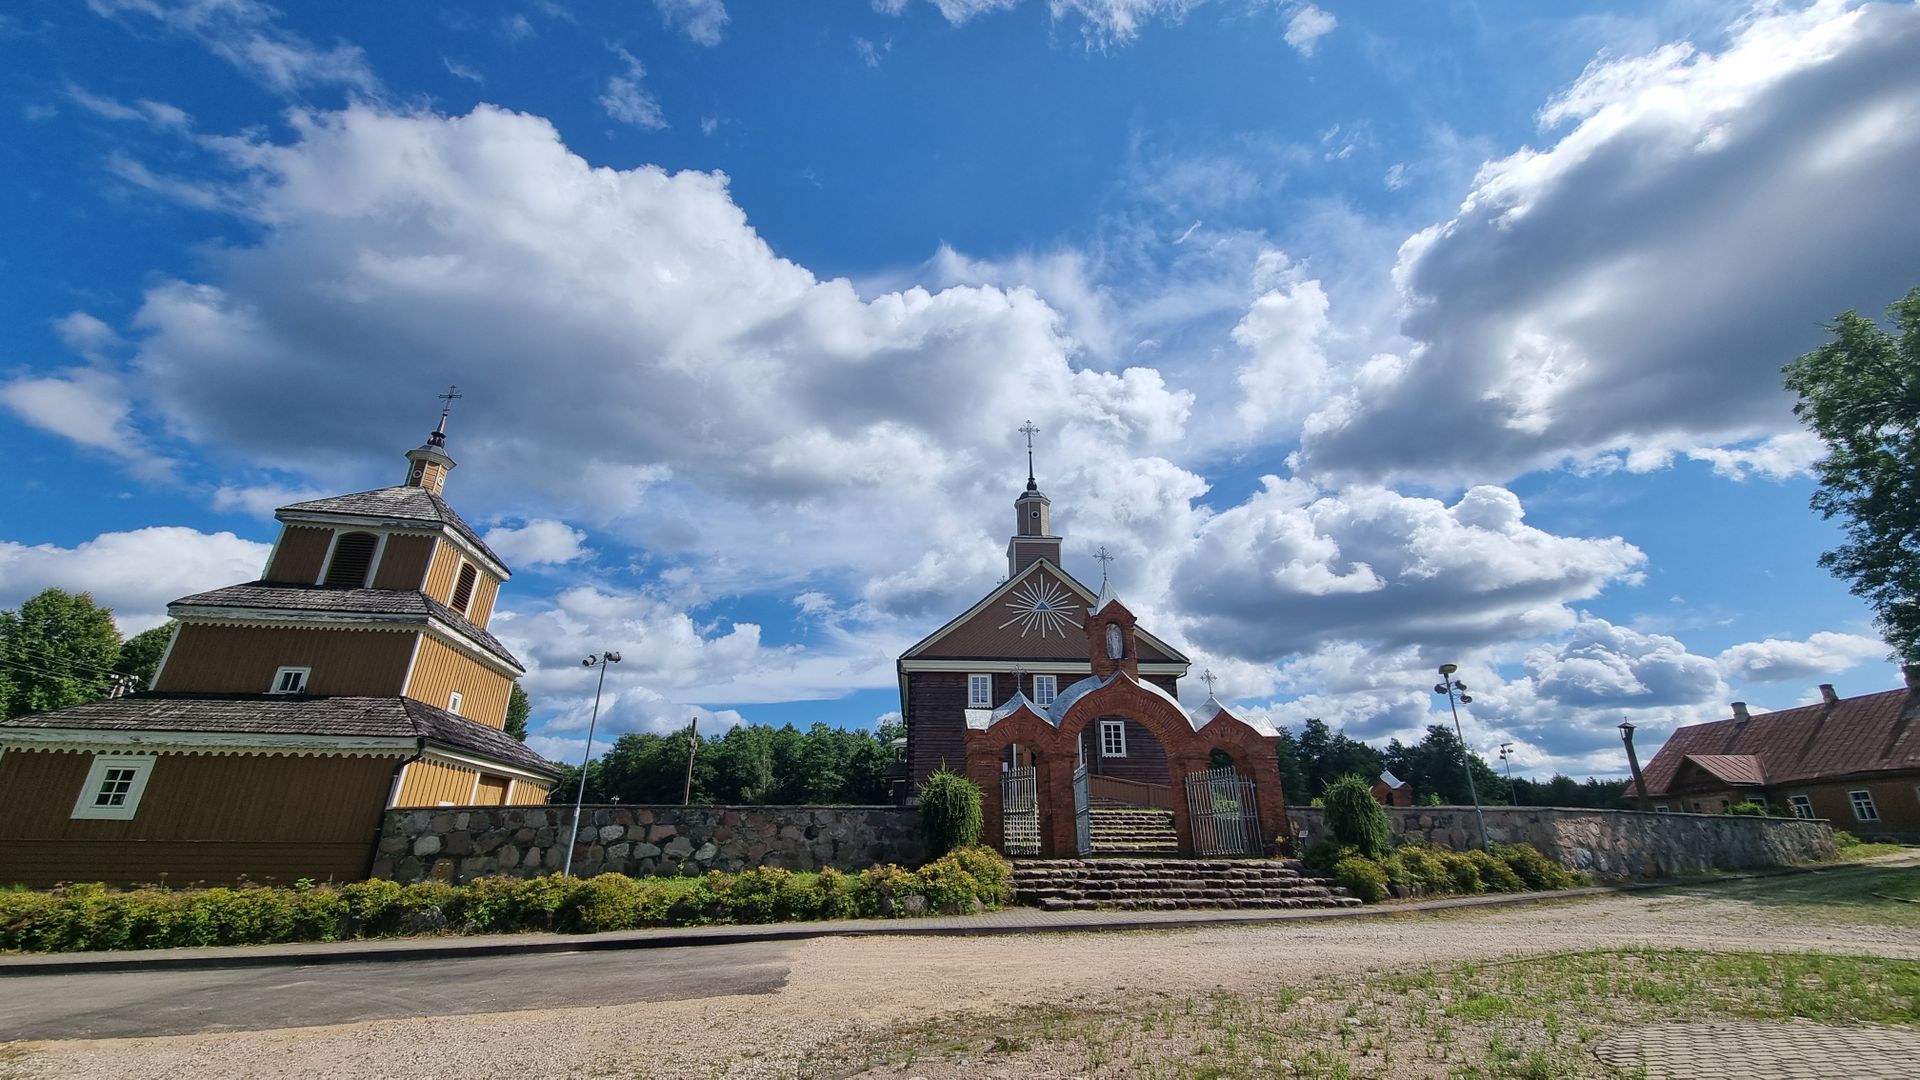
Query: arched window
{"type": "Point", "coordinates": [352, 558]}
{"type": "Point", "coordinates": [1116, 649]}
{"type": "Point", "coordinates": [463, 588]}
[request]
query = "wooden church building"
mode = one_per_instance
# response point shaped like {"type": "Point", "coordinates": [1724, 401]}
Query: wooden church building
{"type": "Point", "coordinates": [1066, 714]}
{"type": "Point", "coordinates": [289, 713]}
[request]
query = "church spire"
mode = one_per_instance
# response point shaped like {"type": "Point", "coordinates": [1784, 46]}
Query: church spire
{"type": "Point", "coordinates": [1033, 537]}
{"type": "Point", "coordinates": [429, 463]}
{"type": "Point", "coordinates": [1029, 430]}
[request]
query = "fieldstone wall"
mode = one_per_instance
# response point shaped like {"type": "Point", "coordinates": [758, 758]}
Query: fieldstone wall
{"type": "Point", "coordinates": [1609, 844]}
{"type": "Point", "coordinates": [460, 843]}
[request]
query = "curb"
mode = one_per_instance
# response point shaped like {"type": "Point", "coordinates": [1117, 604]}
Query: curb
{"type": "Point", "coordinates": [389, 950]}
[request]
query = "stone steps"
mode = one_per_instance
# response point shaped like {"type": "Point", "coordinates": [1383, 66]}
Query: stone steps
{"type": "Point", "coordinates": [1171, 884]}
{"type": "Point", "coordinates": [1133, 830]}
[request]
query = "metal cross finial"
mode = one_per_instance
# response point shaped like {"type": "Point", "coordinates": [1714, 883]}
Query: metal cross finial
{"type": "Point", "coordinates": [1209, 678]}
{"type": "Point", "coordinates": [1030, 431]}
{"type": "Point", "coordinates": [446, 406]}
{"type": "Point", "coordinates": [1105, 557]}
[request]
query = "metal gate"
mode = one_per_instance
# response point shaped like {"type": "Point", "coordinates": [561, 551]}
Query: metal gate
{"type": "Point", "coordinates": [1082, 812]}
{"type": "Point", "coordinates": [1020, 812]}
{"type": "Point", "coordinates": [1225, 818]}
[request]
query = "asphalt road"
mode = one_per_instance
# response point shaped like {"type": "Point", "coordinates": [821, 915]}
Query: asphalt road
{"type": "Point", "coordinates": [124, 1004]}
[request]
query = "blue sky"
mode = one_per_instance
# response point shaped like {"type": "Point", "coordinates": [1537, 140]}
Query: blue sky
{"type": "Point", "coordinates": [1369, 336]}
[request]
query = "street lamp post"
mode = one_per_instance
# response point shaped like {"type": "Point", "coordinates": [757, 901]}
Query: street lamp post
{"type": "Point", "coordinates": [1506, 758]}
{"type": "Point", "coordinates": [580, 796]}
{"type": "Point", "coordinates": [1456, 692]}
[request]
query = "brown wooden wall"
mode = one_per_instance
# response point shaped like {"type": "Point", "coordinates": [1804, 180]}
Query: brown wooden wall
{"type": "Point", "coordinates": [403, 562]}
{"type": "Point", "coordinates": [937, 723]}
{"type": "Point", "coordinates": [1897, 799]}
{"type": "Point", "coordinates": [242, 660]}
{"type": "Point", "coordinates": [202, 818]}
{"type": "Point", "coordinates": [300, 556]}
{"type": "Point", "coordinates": [440, 669]}
{"type": "Point", "coordinates": [430, 783]}
{"type": "Point", "coordinates": [1146, 759]}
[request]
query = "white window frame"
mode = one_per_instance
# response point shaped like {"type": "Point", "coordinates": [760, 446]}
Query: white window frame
{"type": "Point", "coordinates": [1118, 730]}
{"type": "Point", "coordinates": [373, 564]}
{"type": "Point", "coordinates": [454, 701]}
{"type": "Point", "coordinates": [306, 676]}
{"type": "Point", "coordinates": [1802, 806]}
{"type": "Point", "coordinates": [976, 697]}
{"type": "Point", "coordinates": [1859, 796]}
{"type": "Point", "coordinates": [86, 808]}
{"type": "Point", "coordinates": [453, 590]}
{"type": "Point", "coordinates": [1045, 697]}
{"type": "Point", "coordinates": [1660, 808]}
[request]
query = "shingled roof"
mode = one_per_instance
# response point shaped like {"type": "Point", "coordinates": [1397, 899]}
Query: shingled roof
{"type": "Point", "coordinates": [280, 596]}
{"type": "Point", "coordinates": [401, 503]}
{"type": "Point", "coordinates": [291, 714]}
{"type": "Point", "coordinates": [1853, 736]}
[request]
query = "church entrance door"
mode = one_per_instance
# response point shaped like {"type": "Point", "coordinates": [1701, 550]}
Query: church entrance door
{"type": "Point", "coordinates": [1224, 815]}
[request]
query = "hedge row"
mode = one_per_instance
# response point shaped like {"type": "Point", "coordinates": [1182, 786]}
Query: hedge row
{"type": "Point", "coordinates": [1418, 869]}
{"type": "Point", "coordinates": [86, 917]}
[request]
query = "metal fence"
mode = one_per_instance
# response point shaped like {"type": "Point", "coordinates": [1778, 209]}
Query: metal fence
{"type": "Point", "coordinates": [1224, 816]}
{"type": "Point", "coordinates": [1020, 812]}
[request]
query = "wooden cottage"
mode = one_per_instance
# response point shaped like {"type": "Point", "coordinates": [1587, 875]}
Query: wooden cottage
{"type": "Point", "coordinates": [288, 713]}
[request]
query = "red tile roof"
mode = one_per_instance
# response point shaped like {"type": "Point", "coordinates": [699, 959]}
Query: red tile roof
{"type": "Point", "coordinates": [1866, 734]}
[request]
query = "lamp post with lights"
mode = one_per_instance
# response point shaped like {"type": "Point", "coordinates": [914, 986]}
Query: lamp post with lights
{"type": "Point", "coordinates": [602, 662]}
{"type": "Point", "coordinates": [1456, 693]}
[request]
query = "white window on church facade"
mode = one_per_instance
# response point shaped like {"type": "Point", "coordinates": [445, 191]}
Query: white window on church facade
{"type": "Point", "coordinates": [1043, 689]}
{"type": "Point", "coordinates": [1113, 738]}
{"type": "Point", "coordinates": [979, 691]}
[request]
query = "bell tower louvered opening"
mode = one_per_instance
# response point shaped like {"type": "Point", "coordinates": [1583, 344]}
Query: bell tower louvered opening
{"type": "Point", "coordinates": [463, 588]}
{"type": "Point", "coordinates": [352, 559]}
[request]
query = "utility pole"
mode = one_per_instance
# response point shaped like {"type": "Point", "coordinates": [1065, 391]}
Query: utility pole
{"type": "Point", "coordinates": [693, 745]}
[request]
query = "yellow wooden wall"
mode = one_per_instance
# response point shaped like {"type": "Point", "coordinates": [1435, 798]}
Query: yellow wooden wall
{"type": "Point", "coordinates": [430, 783]}
{"type": "Point", "coordinates": [441, 669]}
{"type": "Point", "coordinates": [242, 660]}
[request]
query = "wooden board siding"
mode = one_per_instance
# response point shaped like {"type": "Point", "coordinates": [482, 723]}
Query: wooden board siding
{"type": "Point", "coordinates": [242, 659]}
{"type": "Point", "coordinates": [439, 670]}
{"type": "Point", "coordinates": [485, 589]}
{"type": "Point", "coordinates": [433, 783]}
{"type": "Point", "coordinates": [403, 562]}
{"type": "Point", "coordinates": [1896, 798]}
{"type": "Point", "coordinates": [202, 818]}
{"type": "Point", "coordinates": [1146, 759]}
{"type": "Point", "coordinates": [302, 552]}
{"type": "Point", "coordinates": [492, 791]}
{"type": "Point", "coordinates": [442, 570]}
{"type": "Point", "coordinates": [526, 793]}
{"type": "Point", "coordinates": [937, 723]}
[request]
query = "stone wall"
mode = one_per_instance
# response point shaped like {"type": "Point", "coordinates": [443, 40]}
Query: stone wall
{"type": "Point", "coordinates": [460, 843]}
{"type": "Point", "coordinates": [1609, 844]}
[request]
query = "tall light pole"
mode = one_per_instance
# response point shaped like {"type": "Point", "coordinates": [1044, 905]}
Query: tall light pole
{"type": "Point", "coordinates": [1456, 692]}
{"type": "Point", "coordinates": [1506, 756]}
{"type": "Point", "coordinates": [580, 796]}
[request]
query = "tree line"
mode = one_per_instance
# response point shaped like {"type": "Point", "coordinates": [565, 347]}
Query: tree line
{"type": "Point", "coordinates": [753, 764]}
{"type": "Point", "coordinates": [60, 649]}
{"type": "Point", "coordinates": [1319, 755]}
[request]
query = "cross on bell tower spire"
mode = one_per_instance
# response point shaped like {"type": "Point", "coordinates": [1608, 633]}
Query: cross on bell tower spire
{"type": "Point", "coordinates": [429, 463]}
{"type": "Point", "coordinates": [1030, 431]}
{"type": "Point", "coordinates": [1033, 537]}
{"type": "Point", "coordinates": [1105, 557]}
{"type": "Point", "coordinates": [439, 436]}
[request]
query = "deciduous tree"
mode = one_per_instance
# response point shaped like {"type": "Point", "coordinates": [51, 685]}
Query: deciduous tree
{"type": "Point", "coordinates": [59, 649]}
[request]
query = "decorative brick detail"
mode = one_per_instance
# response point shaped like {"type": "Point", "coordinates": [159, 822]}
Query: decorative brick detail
{"type": "Point", "coordinates": [458, 844]}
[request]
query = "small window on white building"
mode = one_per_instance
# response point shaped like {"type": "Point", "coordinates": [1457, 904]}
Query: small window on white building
{"type": "Point", "coordinates": [1044, 689]}
{"type": "Point", "coordinates": [453, 703]}
{"type": "Point", "coordinates": [113, 788]}
{"type": "Point", "coordinates": [1802, 806]}
{"type": "Point", "coordinates": [1863, 808]}
{"type": "Point", "coordinates": [290, 680]}
{"type": "Point", "coordinates": [1113, 738]}
{"type": "Point", "coordinates": [979, 691]}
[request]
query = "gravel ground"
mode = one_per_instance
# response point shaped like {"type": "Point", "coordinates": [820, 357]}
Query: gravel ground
{"type": "Point", "coordinates": [845, 993]}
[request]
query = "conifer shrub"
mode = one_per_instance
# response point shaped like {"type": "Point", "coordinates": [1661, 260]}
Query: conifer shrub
{"type": "Point", "coordinates": [949, 812]}
{"type": "Point", "coordinates": [1356, 818]}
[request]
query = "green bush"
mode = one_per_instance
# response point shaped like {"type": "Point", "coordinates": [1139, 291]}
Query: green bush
{"type": "Point", "coordinates": [1535, 870]}
{"type": "Point", "coordinates": [1842, 840]}
{"type": "Point", "coordinates": [1747, 809]}
{"type": "Point", "coordinates": [1494, 874]}
{"type": "Point", "coordinates": [1464, 875]}
{"type": "Point", "coordinates": [1356, 818]}
{"type": "Point", "coordinates": [1322, 855]}
{"type": "Point", "coordinates": [880, 889]}
{"type": "Point", "coordinates": [1425, 868]}
{"type": "Point", "coordinates": [1362, 877]}
{"type": "Point", "coordinates": [949, 812]}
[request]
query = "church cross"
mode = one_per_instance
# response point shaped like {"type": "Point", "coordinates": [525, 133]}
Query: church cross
{"type": "Point", "coordinates": [446, 406]}
{"type": "Point", "coordinates": [1105, 557]}
{"type": "Point", "coordinates": [1209, 678]}
{"type": "Point", "coordinates": [1030, 431]}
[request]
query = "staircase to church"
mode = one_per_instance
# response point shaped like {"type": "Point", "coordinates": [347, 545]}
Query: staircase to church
{"type": "Point", "coordinates": [1170, 884]}
{"type": "Point", "coordinates": [1133, 830]}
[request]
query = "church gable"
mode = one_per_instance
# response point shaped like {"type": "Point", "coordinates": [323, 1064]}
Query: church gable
{"type": "Point", "coordinates": [1039, 614]}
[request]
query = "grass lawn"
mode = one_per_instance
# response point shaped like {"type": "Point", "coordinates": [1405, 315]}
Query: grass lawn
{"type": "Point", "coordinates": [1531, 1019]}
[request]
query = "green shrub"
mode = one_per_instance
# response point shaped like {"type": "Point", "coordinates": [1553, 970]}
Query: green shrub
{"type": "Point", "coordinates": [881, 888]}
{"type": "Point", "coordinates": [949, 812]}
{"type": "Point", "coordinates": [1495, 875]}
{"type": "Point", "coordinates": [1747, 809]}
{"type": "Point", "coordinates": [833, 895]}
{"type": "Point", "coordinates": [992, 874]}
{"type": "Point", "coordinates": [1321, 855]}
{"type": "Point", "coordinates": [1462, 872]}
{"type": "Point", "coordinates": [1356, 818]}
{"type": "Point", "coordinates": [1425, 868]}
{"type": "Point", "coordinates": [767, 894]}
{"type": "Point", "coordinates": [1842, 840]}
{"type": "Point", "coordinates": [1362, 877]}
{"type": "Point", "coordinates": [1534, 869]}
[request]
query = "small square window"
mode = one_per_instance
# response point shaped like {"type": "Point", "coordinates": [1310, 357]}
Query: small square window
{"type": "Point", "coordinates": [1044, 689]}
{"type": "Point", "coordinates": [979, 691]}
{"type": "Point", "coordinates": [453, 703]}
{"type": "Point", "coordinates": [1863, 808]}
{"type": "Point", "coordinates": [1659, 808]}
{"type": "Point", "coordinates": [113, 788]}
{"type": "Point", "coordinates": [1113, 738]}
{"type": "Point", "coordinates": [290, 680]}
{"type": "Point", "coordinates": [1802, 806]}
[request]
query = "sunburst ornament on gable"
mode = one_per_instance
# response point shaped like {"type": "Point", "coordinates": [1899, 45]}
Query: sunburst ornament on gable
{"type": "Point", "coordinates": [1042, 604]}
